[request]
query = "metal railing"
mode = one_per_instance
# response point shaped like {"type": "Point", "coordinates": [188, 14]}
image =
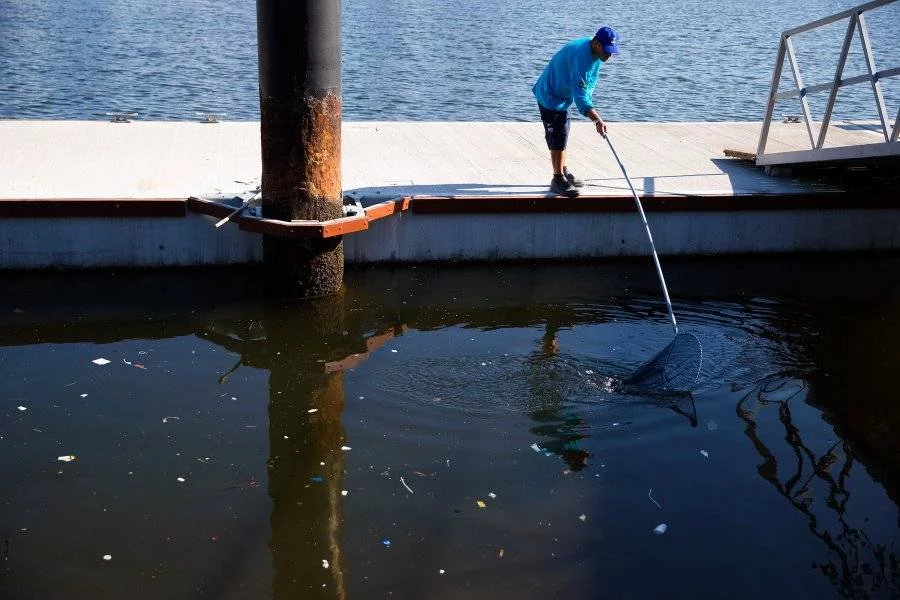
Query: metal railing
{"type": "Point", "coordinates": [786, 48]}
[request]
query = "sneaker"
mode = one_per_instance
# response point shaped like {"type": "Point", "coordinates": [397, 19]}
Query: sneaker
{"type": "Point", "coordinates": [571, 178]}
{"type": "Point", "coordinates": [562, 186]}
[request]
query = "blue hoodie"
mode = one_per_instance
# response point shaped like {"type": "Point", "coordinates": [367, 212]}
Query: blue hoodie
{"type": "Point", "coordinates": [570, 75]}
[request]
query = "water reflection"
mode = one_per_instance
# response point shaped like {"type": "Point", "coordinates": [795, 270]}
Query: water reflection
{"type": "Point", "coordinates": [817, 485]}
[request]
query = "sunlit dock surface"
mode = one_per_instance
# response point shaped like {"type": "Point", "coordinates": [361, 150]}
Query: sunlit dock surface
{"type": "Point", "coordinates": [87, 194]}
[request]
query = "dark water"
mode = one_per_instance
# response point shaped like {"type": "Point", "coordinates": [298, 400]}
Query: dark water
{"type": "Point", "coordinates": [779, 478]}
{"type": "Point", "coordinates": [431, 60]}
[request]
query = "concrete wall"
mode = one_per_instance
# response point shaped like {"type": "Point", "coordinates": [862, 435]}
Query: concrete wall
{"type": "Point", "coordinates": [412, 237]}
{"type": "Point", "coordinates": [27, 243]}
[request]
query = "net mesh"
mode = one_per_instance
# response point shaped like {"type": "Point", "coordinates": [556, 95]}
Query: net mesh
{"type": "Point", "coordinates": [674, 370]}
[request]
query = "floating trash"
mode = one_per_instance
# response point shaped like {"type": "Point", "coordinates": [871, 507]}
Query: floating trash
{"type": "Point", "coordinates": [387, 543]}
{"type": "Point", "coordinates": [84, 395]}
{"type": "Point", "coordinates": [712, 425]}
{"type": "Point", "coordinates": [324, 564]}
{"type": "Point", "coordinates": [441, 571]}
{"type": "Point", "coordinates": [344, 492]}
{"type": "Point", "coordinates": [660, 529]}
{"type": "Point", "coordinates": [704, 453]}
{"type": "Point", "coordinates": [167, 419]}
{"type": "Point", "coordinates": [394, 351]}
{"type": "Point", "coordinates": [481, 503]}
{"type": "Point", "coordinates": [313, 410]}
{"type": "Point", "coordinates": [66, 458]}
{"type": "Point", "coordinates": [346, 448]}
{"type": "Point", "coordinates": [100, 361]}
{"type": "Point", "coordinates": [500, 554]}
{"type": "Point", "coordinates": [408, 489]}
{"type": "Point", "coordinates": [582, 518]}
{"type": "Point", "coordinates": [22, 408]}
{"type": "Point", "coordinates": [107, 557]}
{"type": "Point", "coordinates": [492, 495]}
{"type": "Point", "coordinates": [650, 495]}
{"type": "Point", "coordinates": [535, 447]}
{"type": "Point", "coordinates": [181, 479]}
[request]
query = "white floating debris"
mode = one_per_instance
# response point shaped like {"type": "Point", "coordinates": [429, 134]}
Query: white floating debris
{"type": "Point", "coordinates": [167, 419]}
{"type": "Point", "coordinates": [660, 529]}
{"type": "Point", "coordinates": [324, 564]}
{"type": "Point", "coordinates": [492, 495]}
{"type": "Point", "coordinates": [346, 448]}
{"type": "Point", "coordinates": [582, 518]}
{"type": "Point", "coordinates": [394, 351]}
{"type": "Point", "coordinates": [704, 453]}
{"type": "Point", "coordinates": [712, 425]}
{"type": "Point", "coordinates": [344, 492]}
{"type": "Point", "coordinates": [650, 495]}
{"type": "Point", "coordinates": [22, 408]}
{"type": "Point", "coordinates": [312, 410]}
{"type": "Point", "coordinates": [441, 571]}
{"type": "Point", "coordinates": [408, 489]}
{"type": "Point", "coordinates": [107, 557]}
{"type": "Point", "coordinates": [100, 361]}
{"type": "Point", "coordinates": [286, 437]}
{"type": "Point", "coordinates": [484, 364]}
{"type": "Point", "coordinates": [181, 479]}
{"type": "Point", "coordinates": [66, 458]}
{"type": "Point", "coordinates": [535, 447]}
{"type": "Point", "coordinates": [588, 372]}
{"type": "Point", "coordinates": [84, 395]}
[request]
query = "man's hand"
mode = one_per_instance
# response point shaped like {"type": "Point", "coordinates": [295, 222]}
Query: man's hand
{"type": "Point", "coordinates": [601, 127]}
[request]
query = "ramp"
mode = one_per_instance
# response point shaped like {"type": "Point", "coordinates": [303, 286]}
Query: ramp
{"type": "Point", "coordinates": [831, 145]}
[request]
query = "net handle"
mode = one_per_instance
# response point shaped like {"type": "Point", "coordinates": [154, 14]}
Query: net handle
{"type": "Point", "coordinates": [659, 271]}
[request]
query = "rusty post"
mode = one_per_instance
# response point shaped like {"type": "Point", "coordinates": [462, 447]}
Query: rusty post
{"type": "Point", "coordinates": [300, 110]}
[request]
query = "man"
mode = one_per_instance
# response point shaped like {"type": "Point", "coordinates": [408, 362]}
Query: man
{"type": "Point", "coordinates": [571, 75]}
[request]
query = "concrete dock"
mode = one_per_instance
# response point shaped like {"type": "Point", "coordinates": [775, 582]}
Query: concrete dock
{"type": "Point", "coordinates": [93, 194]}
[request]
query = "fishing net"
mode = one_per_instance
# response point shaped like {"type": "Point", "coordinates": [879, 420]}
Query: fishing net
{"type": "Point", "coordinates": [674, 370]}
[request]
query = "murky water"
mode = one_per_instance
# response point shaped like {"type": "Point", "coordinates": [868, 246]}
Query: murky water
{"type": "Point", "coordinates": [452, 433]}
{"type": "Point", "coordinates": [429, 60]}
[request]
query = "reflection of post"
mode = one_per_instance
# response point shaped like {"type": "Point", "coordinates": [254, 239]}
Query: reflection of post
{"type": "Point", "coordinates": [306, 463]}
{"type": "Point", "coordinates": [306, 468]}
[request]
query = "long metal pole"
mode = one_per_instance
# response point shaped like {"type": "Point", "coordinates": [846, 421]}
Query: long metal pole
{"type": "Point", "coordinates": [300, 110]}
{"type": "Point", "coordinates": [659, 271]}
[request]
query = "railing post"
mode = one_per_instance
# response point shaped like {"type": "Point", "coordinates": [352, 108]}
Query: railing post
{"type": "Point", "coordinates": [770, 106]}
{"type": "Point", "coordinates": [829, 107]}
{"type": "Point", "coordinates": [876, 86]}
{"type": "Point", "coordinates": [896, 133]}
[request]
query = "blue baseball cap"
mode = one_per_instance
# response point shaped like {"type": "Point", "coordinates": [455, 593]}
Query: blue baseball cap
{"type": "Point", "coordinates": [608, 38]}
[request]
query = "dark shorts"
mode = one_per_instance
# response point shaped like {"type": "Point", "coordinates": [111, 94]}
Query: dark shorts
{"type": "Point", "coordinates": [556, 128]}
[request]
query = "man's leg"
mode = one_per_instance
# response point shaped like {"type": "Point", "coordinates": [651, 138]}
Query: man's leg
{"type": "Point", "coordinates": [558, 159]}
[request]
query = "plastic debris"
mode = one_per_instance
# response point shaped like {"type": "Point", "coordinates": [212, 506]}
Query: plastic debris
{"type": "Point", "coordinates": [84, 395]}
{"type": "Point", "coordinates": [387, 543]}
{"type": "Point", "coordinates": [712, 425]}
{"type": "Point", "coordinates": [324, 564]}
{"type": "Point", "coordinates": [394, 351]}
{"type": "Point", "coordinates": [500, 554]}
{"type": "Point", "coordinates": [66, 458]}
{"type": "Point", "coordinates": [100, 361]}
{"type": "Point", "coordinates": [346, 448]}
{"type": "Point", "coordinates": [480, 503]}
{"type": "Point", "coordinates": [408, 489]}
{"type": "Point", "coordinates": [704, 453]}
{"type": "Point", "coordinates": [650, 495]}
{"type": "Point", "coordinates": [492, 495]}
{"type": "Point", "coordinates": [22, 408]}
{"type": "Point", "coordinates": [441, 571]}
{"type": "Point", "coordinates": [344, 492]}
{"type": "Point", "coordinates": [535, 447]}
{"type": "Point", "coordinates": [582, 518]}
{"type": "Point", "coordinates": [660, 529]}
{"type": "Point", "coordinates": [167, 419]}
{"type": "Point", "coordinates": [107, 557]}
{"type": "Point", "coordinates": [181, 479]}
{"type": "Point", "coordinates": [313, 410]}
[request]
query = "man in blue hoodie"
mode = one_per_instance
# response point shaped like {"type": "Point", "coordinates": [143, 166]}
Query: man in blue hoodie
{"type": "Point", "coordinates": [571, 75]}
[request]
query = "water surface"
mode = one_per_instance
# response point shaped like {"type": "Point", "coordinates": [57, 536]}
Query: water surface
{"type": "Point", "coordinates": [452, 433]}
{"type": "Point", "coordinates": [429, 60]}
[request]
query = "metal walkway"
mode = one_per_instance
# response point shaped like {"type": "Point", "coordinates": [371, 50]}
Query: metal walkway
{"type": "Point", "coordinates": [819, 151]}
